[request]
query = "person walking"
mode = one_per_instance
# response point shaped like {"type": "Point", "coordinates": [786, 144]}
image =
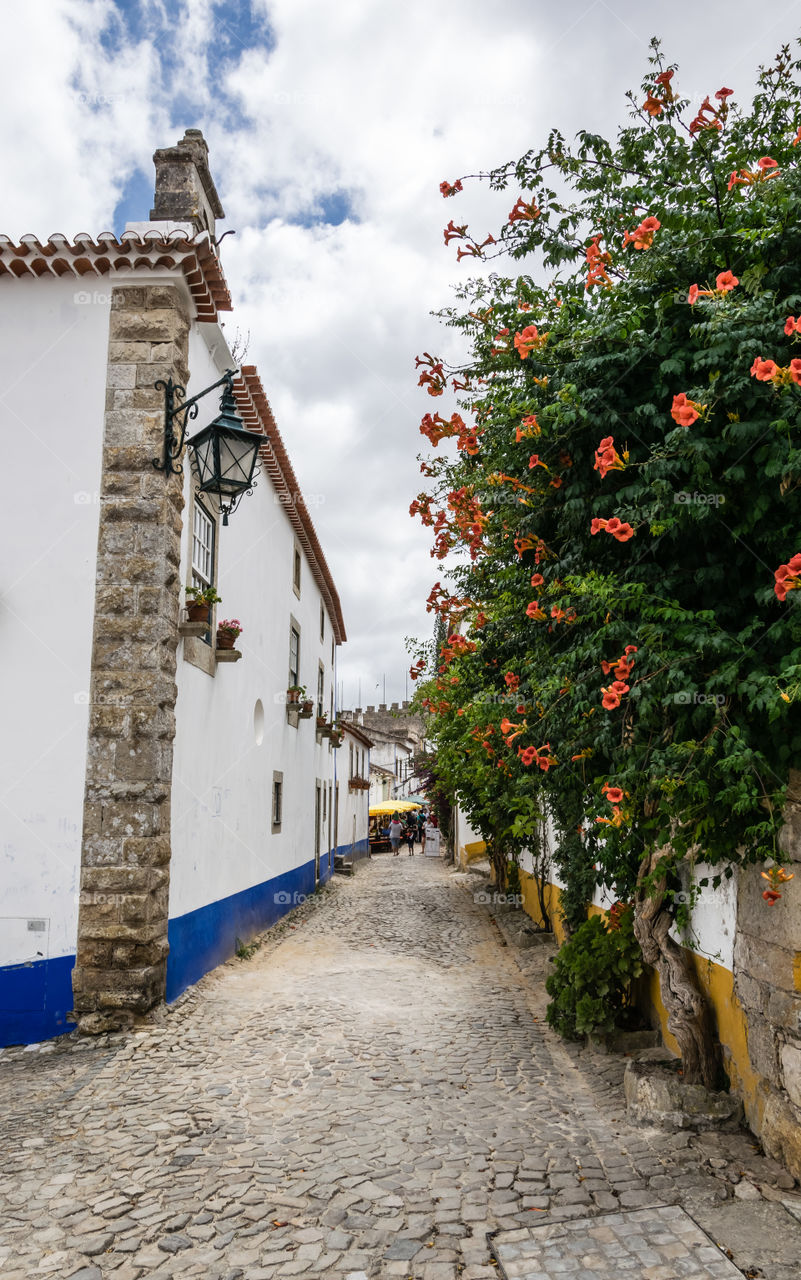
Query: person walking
{"type": "Point", "coordinates": [395, 833]}
{"type": "Point", "coordinates": [411, 834]}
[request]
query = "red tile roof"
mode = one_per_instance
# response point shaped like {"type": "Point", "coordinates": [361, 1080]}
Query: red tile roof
{"type": "Point", "coordinates": [113, 259]}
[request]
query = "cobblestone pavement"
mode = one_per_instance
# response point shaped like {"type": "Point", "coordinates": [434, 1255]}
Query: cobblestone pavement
{"type": "Point", "coordinates": [369, 1094]}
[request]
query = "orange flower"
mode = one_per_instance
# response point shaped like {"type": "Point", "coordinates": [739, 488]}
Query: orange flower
{"type": "Point", "coordinates": [450, 189]}
{"type": "Point", "coordinates": [534, 611]}
{"type": "Point", "coordinates": [607, 458]}
{"type": "Point", "coordinates": [619, 530]}
{"type": "Point", "coordinates": [763, 370]}
{"type": "Point", "coordinates": [791, 326]}
{"type": "Point", "coordinates": [536, 461]}
{"type": "Point", "coordinates": [528, 341]}
{"type": "Point", "coordinates": [685, 411]}
{"type": "Point", "coordinates": [726, 281]}
{"type": "Point", "coordinates": [614, 795]}
{"type": "Point", "coordinates": [786, 577]}
{"type": "Point", "coordinates": [454, 233]}
{"type": "Point", "coordinates": [537, 580]}
{"type": "Point", "coordinates": [523, 212]}
{"type": "Point", "coordinates": [610, 699]}
{"type": "Point", "coordinates": [642, 236]}
{"type": "Point", "coordinates": [766, 163]}
{"type": "Point", "coordinates": [795, 370]}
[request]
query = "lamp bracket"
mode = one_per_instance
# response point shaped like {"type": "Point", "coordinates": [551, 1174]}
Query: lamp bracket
{"type": "Point", "coordinates": [176, 417]}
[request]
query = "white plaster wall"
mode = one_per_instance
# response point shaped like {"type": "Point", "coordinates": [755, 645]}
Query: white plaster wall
{"type": "Point", "coordinates": [222, 776]}
{"type": "Point", "coordinates": [353, 805]}
{"type": "Point", "coordinates": [713, 919]}
{"type": "Point", "coordinates": [54, 336]}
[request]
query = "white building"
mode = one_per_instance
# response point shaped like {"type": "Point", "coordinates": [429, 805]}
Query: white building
{"type": "Point", "coordinates": [354, 768]}
{"type": "Point", "coordinates": [160, 799]}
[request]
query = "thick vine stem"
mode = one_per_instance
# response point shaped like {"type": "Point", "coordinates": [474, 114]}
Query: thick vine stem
{"type": "Point", "coordinates": [689, 1016]}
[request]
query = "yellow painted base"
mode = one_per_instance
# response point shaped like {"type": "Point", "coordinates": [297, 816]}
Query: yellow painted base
{"type": "Point", "coordinates": [531, 905]}
{"type": "Point", "coordinates": [472, 852]}
{"type": "Point", "coordinates": [717, 984]}
{"type": "Point", "coordinates": [767, 1113]}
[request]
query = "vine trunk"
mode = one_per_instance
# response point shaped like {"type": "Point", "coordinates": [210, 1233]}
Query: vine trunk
{"type": "Point", "coordinates": [689, 1017]}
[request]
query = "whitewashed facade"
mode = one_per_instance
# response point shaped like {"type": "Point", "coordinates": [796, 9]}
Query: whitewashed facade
{"type": "Point", "coordinates": [253, 790]}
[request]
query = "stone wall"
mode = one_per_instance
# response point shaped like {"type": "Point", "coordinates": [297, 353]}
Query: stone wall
{"type": "Point", "coordinates": [767, 983]}
{"type": "Point", "coordinates": [122, 927]}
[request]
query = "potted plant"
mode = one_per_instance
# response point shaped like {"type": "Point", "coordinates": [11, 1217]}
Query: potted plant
{"type": "Point", "coordinates": [227, 632]}
{"type": "Point", "coordinates": [295, 692]}
{"type": "Point", "coordinates": [322, 721]}
{"type": "Point", "coordinates": [336, 735]}
{"type": "Point", "coordinates": [199, 601]}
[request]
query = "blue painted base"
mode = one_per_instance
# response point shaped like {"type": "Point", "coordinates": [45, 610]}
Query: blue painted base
{"type": "Point", "coordinates": [360, 849]}
{"type": "Point", "coordinates": [204, 938]}
{"type": "Point", "coordinates": [35, 999]}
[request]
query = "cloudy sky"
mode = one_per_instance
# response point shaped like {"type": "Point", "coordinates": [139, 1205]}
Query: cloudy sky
{"type": "Point", "coordinates": [330, 127]}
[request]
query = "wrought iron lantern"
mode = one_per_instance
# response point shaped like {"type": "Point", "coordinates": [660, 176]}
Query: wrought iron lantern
{"type": "Point", "coordinates": [225, 453]}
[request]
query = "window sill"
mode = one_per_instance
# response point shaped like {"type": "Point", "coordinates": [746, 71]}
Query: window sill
{"type": "Point", "coordinates": [197, 629]}
{"type": "Point", "coordinates": [227, 655]}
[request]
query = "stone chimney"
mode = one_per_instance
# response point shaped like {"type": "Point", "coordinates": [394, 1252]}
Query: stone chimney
{"type": "Point", "coordinates": [185, 190]}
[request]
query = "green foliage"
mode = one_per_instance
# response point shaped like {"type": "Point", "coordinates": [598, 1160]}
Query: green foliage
{"type": "Point", "coordinates": [590, 986]}
{"type": "Point", "coordinates": [513, 884]}
{"type": "Point", "coordinates": [700, 742]}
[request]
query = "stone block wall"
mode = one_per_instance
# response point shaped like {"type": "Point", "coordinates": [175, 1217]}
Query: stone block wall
{"type": "Point", "coordinates": [122, 927]}
{"type": "Point", "coordinates": [767, 983]}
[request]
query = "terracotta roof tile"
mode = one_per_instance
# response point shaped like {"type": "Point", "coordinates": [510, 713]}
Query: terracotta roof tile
{"type": "Point", "coordinates": [113, 258]}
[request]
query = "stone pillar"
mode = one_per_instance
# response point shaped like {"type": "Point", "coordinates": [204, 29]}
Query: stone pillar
{"type": "Point", "coordinates": [767, 975]}
{"type": "Point", "coordinates": [125, 860]}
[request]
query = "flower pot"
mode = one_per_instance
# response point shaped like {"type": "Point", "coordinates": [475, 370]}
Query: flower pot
{"type": "Point", "coordinates": [226, 639]}
{"type": "Point", "coordinates": [197, 612]}
{"type": "Point", "coordinates": [293, 695]}
{"type": "Point", "coordinates": [307, 707]}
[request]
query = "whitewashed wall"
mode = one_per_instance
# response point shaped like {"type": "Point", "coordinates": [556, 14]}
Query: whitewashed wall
{"type": "Point", "coordinates": [353, 805]}
{"type": "Point", "coordinates": [54, 337]}
{"type": "Point", "coordinates": [232, 732]}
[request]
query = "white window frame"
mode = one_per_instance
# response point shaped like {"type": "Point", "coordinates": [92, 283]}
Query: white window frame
{"type": "Point", "coordinates": [294, 675]}
{"type": "Point", "coordinates": [202, 547]}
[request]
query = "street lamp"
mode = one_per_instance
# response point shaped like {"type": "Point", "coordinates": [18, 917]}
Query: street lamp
{"type": "Point", "coordinates": [225, 452]}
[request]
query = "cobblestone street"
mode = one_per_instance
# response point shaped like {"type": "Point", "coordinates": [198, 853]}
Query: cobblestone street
{"type": "Point", "coordinates": [369, 1094]}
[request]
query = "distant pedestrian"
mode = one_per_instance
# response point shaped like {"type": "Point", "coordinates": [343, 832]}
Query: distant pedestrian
{"type": "Point", "coordinates": [421, 822]}
{"type": "Point", "coordinates": [395, 833]}
{"type": "Point", "coordinates": [411, 835]}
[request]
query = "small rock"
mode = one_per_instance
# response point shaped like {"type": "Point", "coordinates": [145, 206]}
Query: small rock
{"type": "Point", "coordinates": [746, 1190]}
{"type": "Point", "coordinates": [174, 1243]}
{"type": "Point", "coordinates": [87, 1273]}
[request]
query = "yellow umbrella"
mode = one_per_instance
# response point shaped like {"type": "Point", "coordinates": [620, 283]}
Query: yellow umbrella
{"type": "Point", "coordinates": [392, 806]}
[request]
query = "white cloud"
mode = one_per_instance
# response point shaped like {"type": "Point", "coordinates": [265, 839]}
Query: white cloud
{"type": "Point", "coordinates": [377, 101]}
